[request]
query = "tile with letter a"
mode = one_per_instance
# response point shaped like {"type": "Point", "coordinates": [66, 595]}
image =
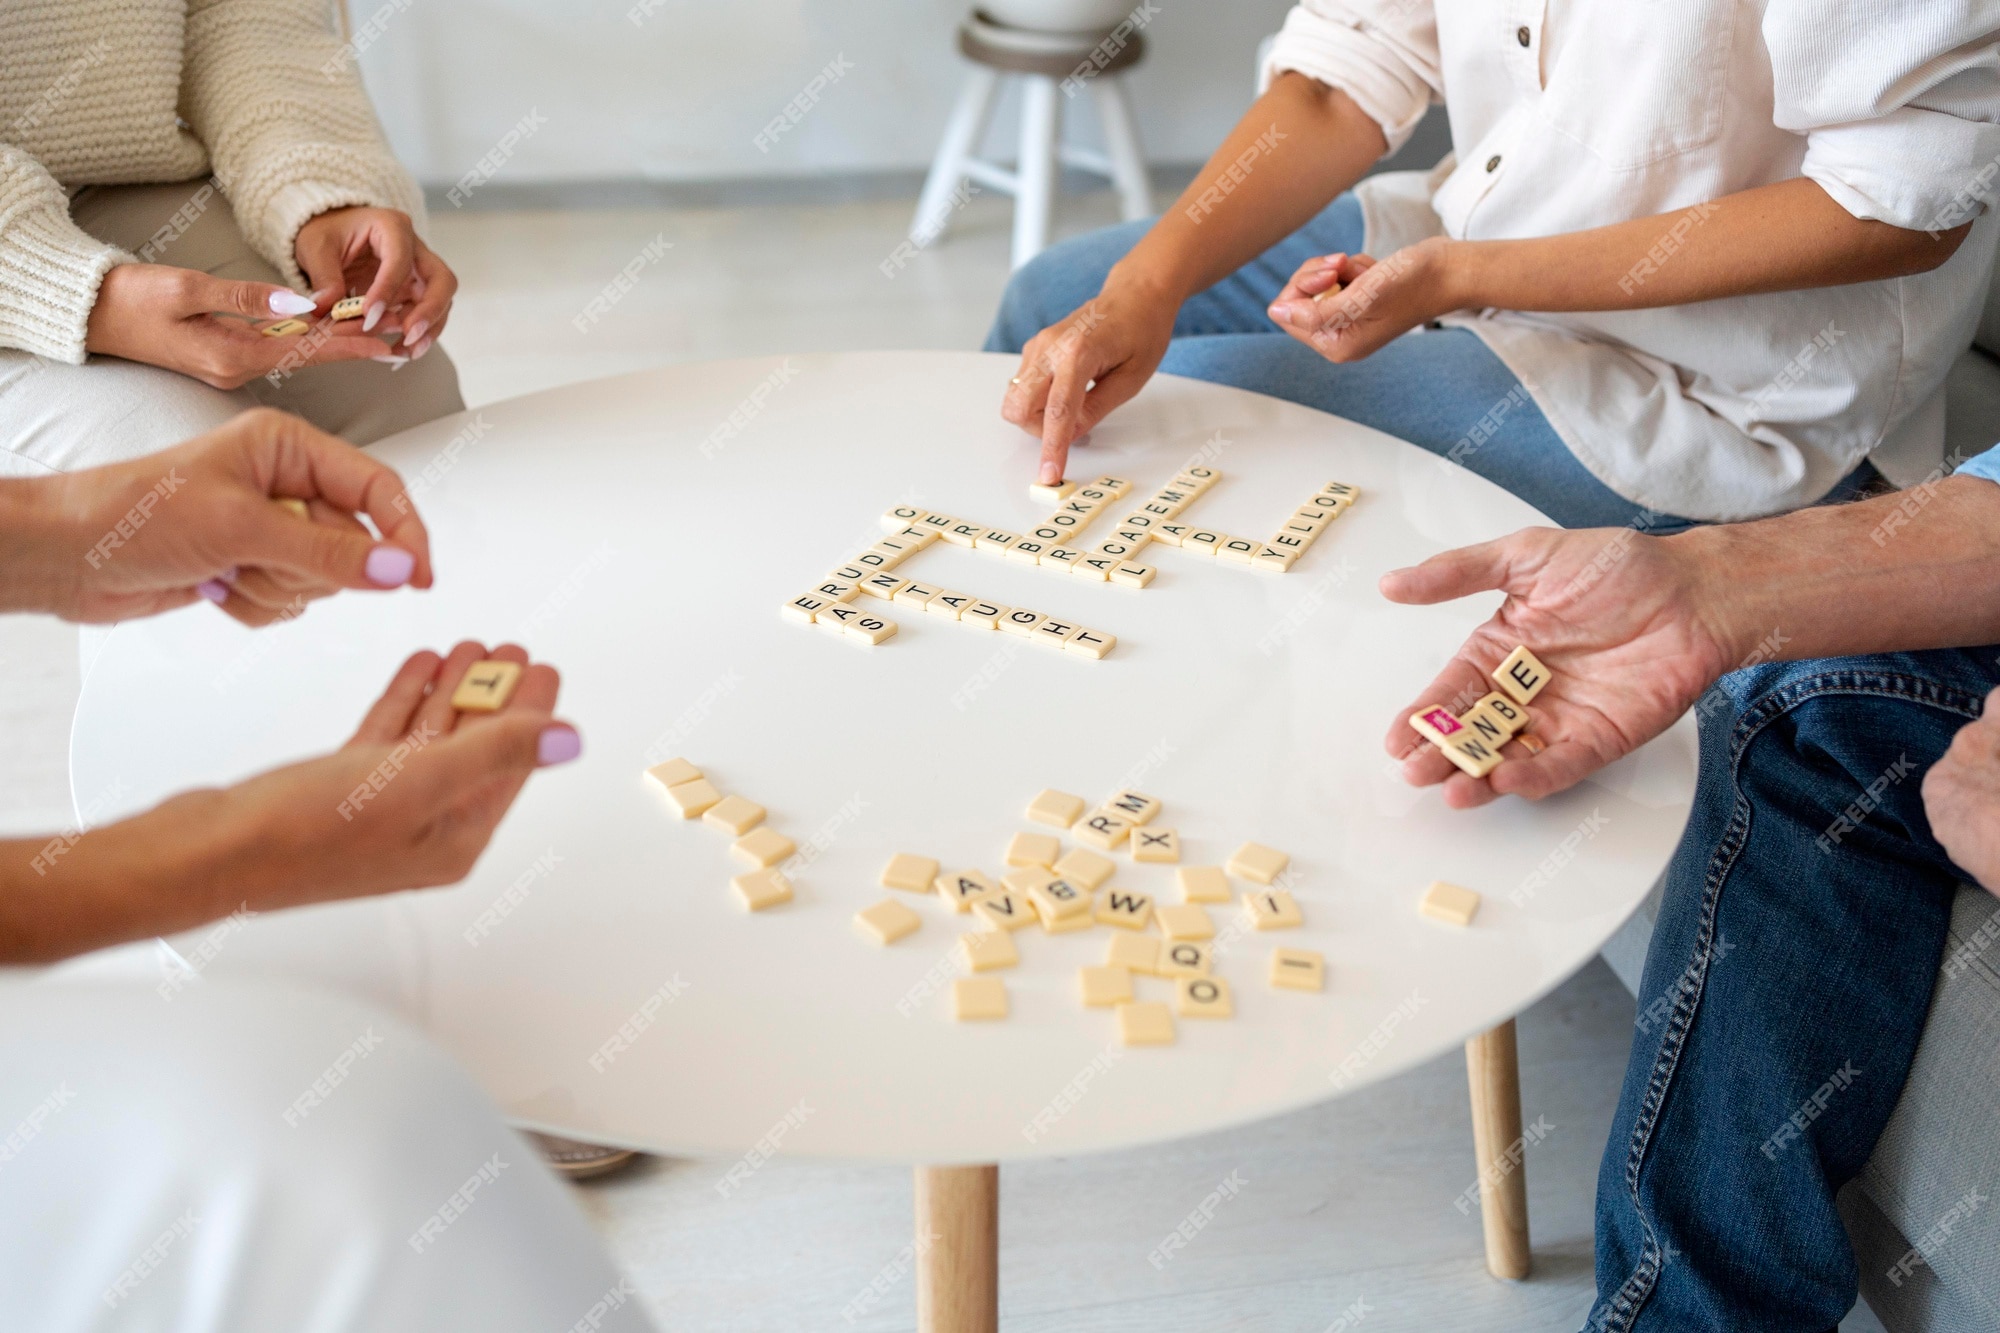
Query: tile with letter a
{"type": "Point", "coordinates": [988, 950]}
{"type": "Point", "coordinates": [887, 921]}
{"type": "Point", "coordinates": [486, 687]}
{"type": "Point", "coordinates": [1522, 675]}
{"type": "Point", "coordinates": [1156, 846]}
{"type": "Point", "coordinates": [1102, 987]}
{"type": "Point", "coordinates": [1273, 909]}
{"type": "Point", "coordinates": [1145, 1023]}
{"type": "Point", "coordinates": [1298, 969]}
{"type": "Point", "coordinates": [1124, 909]}
{"type": "Point", "coordinates": [1203, 997]}
{"type": "Point", "coordinates": [1005, 910]}
{"type": "Point", "coordinates": [963, 888]}
{"type": "Point", "coordinates": [976, 998]}
{"type": "Point", "coordinates": [949, 604]}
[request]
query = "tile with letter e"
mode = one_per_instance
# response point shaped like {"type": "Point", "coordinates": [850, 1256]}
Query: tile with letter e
{"type": "Point", "coordinates": [963, 888]}
{"type": "Point", "coordinates": [1145, 1023]}
{"type": "Point", "coordinates": [1185, 958]}
{"type": "Point", "coordinates": [939, 524]}
{"type": "Point", "coordinates": [887, 921]}
{"type": "Point", "coordinates": [486, 687]}
{"type": "Point", "coordinates": [1184, 921]}
{"type": "Point", "coordinates": [996, 540]}
{"type": "Point", "coordinates": [1005, 910]}
{"type": "Point", "coordinates": [1449, 902]}
{"type": "Point", "coordinates": [1102, 987]}
{"type": "Point", "coordinates": [762, 847]}
{"type": "Point", "coordinates": [1156, 846]}
{"type": "Point", "coordinates": [988, 950]}
{"type": "Point", "coordinates": [1203, 997]}
{"type": "Point", "coordinates": [1203, 884]}
{"type": "Point", "coordinates": [978, 998]}
{"type": "Point", "coordinates": [1522, 675]}
{"type": "Point", "coordinates": [912, 874]}
{"type": "Point", "coordinates": [734, 815]}
{"type": "Point", "coordinates": [1273, 909]}
{"type": "Point", "coordinates": [803, 608]}
{"type": "Point", "coordinates": [1298, 969]}
{"type": "Point", "coordinates": [762, 888]}
{"type": "Point", "coordinates": [1257, 863]}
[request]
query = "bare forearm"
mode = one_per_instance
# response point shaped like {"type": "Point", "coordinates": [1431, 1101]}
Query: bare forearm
{"type": "Point", "coordinates": [1917, 569]}
{"type": "Point", "coordinates": [37, 551]}
{"type": "Point", "coordinates": [1297, 148]}
{"type": "Point", "coordinates": [1784, 237]}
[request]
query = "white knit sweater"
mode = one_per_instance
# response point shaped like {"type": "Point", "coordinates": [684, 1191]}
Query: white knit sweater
{"type": "Point", "coordinates": [260, 92]}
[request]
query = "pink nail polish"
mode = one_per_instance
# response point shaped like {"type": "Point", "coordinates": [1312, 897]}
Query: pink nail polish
{"type": "Point", "coordinates": [558, 745]}
{"type": "Point", "coordinates": [375, 313]}
{"type": "Point", "coordinates": [389, 566]}
{"type": "Point", "coordinates": [215, 590]}
{"type": "Point", "coordinates": [415, 333]}
{"type": "Point", "coordinates": [290, 303]}
{"type": "Point", "coordinates": [417, 352]}
{"type": "Point", "coordinates": [397, 361]}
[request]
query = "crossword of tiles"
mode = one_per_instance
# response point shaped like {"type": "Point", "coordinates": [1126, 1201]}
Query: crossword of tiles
{"type": "Point", "coordinates": [834, 603]}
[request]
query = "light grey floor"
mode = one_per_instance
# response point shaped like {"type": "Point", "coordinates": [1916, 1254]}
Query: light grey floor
{"type": "Point", "coordinates": [1345, 1209]}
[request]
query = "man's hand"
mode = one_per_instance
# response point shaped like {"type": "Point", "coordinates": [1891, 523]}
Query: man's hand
{"type": "Point", "coordinates": [199, 520]}
{"type": "Point", "coordinates": [1962, 797]}
{"type": "Point", "coordinates": [178, 319]}
{"type": "Point", "coordinates": [1347, 306]}
{"type": "Point", "coordinates": [1622, 622]}
{"type": "Point", "coordinates": [376, 253]}
{"type": "Point", "coordinates": [1074, 373]}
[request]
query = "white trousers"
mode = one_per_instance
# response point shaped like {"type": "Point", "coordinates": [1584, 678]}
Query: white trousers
{"type": "Point", "coordinates": [239, 1158]}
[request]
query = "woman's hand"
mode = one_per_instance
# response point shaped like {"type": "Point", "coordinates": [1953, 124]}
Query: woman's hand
{"type": "Point", "coordinates": [1962, 797]}
{"type": "Point", "coordinates": [376, 253]}
{"type": "Point", "coordinates": [1347, 306]}
{"type": "Point", "coordinates": [200, 520]}
{"type": "Point", "coordinates": [178, 319]}
{"type": "Point", "coordinates": [1075, 372]}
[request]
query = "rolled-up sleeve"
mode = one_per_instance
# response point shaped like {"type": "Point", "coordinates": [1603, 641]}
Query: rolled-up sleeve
{"type": "Point", "coordinates": [1898, 104]}
{"type": "Point", "coordinates": [1383, 56]}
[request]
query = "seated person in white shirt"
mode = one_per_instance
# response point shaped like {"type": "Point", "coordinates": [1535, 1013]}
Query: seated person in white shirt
{"type": "Point", "coordinates": [1694, 262]}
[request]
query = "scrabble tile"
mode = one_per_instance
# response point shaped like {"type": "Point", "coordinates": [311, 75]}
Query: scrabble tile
{"type": "Point", "coordinates": [1174, 497]}
{"type": "Point", "coordinates": [1103, 831]}
{"type": "Point", "coordinates": [916, 594]}
{"type": "Point", "coordinates": [293, 505]}
{"type": "Point", "coordinates": [1485, 725]}
{"type": "Point", "coordinates": [901, 547]}
{"type": "Point", "coordinates": [1060, 559]}
{"type": "Point", "coordinates": [673, 773]}
{"type": "Point", "coordinates": [1021, 621]}
{"type": "Point", "coordinates": [1436, 724]}
{"type": "Point", "coordinates": [939, 524]}
{"type": "Point", "coordinates": [1273, 909]}
{"type": "Point", "coordinates": [734, 815]}
{"type": "Point", "coordinates": [1130, 575]}
{"type": "Point", "coordinates": [1055, 494]}
{"type": "Point", "coordinates": [1237, 550]}
{"type": "Point", "coordinates": [949, 604]}
{"type": "Point", "coordinates": [1133, 805]}
{"type": "Point", "coordinates": [1202, 884]}
{"type": "Point", "coordinates": [285, 328]}
{"type": "Point", "coordinates": [1201, 541]}
{"type": "Point", "coordinates": [963, 888]}
{"type": "Point", "coordinates": [1199, 476]}
{"type": "Point", "coordinates": [912, 874]}
{"type": "Point", "coordinates": [1298, 969]}
{"type": "Point", "coordinates": [978, 998]}
{"type": "Point", "coordinates": [692, 798]}
{"type": "Point", "coordinates": [1053, 633]}
{"type": "Point", "coordinates": [1095, 566]}
{"type": "Point", "coordinates": [887, 921]}
{"type": "Point", "coordinates": [1034, 849]}
{"type": "Point", "coordinates": [1323, 504]}
{"type": "Point", "coordinates": [1504, 710]}
{"type": "Point", "coordinates": [762, 847]}
{"type": "Point", "coordinates": [803, 608]}
{"type": "Point", "coordinates": [988, 950]}
{"type": "Point", "coordinates": [1118, 550]}
{"type": "Point", "coordinates": [1257, 863]}
{"type": "Point", "coordinates": [1298, 533]}
{"type": "Point", "coordinates": [1004, 910]}
{"type": "Point", "coordinates": [1156, 846]}
{"type": "Point", "coordinates": [884, 586]}
{"type": "Point", "coordinates": [1089, 643]}
{"type": "Point", "coordinates": [1530, 742]}
{"type": "Point", "coordinates": [838, 589]}
{"type": "Point", "coordinates": [1290, 544]}
{"type": "Point", "coordinates": [1171, 534]}
{"type": "Point", "coordinates": [1154, 510]}
{"type": "Point", "coordinates": [1145, 1023]}
{"type": "Point", "coordinates": [1185, 958]}
{"type": "Point", "coordinates": [854, 573]}
{"type": "Point", "coordinates": [982, 615]}
{"type": "Point", "coordinates": [1048, 534]}
{"type": "Point", "coordinates": [872, 561]}
{"type": "Point", "coordinates": [1102, 987]}
{"type": "Point", "coordinates": [1068, 925]}
{"type": "Point", "coordinates": [1448, 902]}
{"type": "Point", "coordinates": [837, 616]}
{"type": "Point", "coordinates": [902, 516]}
{"type": "Point", "coordinates": [1203, 997]}
{"type": "Point", "coordinates": [1134, 953]}
{"type": "Point", "coordinates": [1115, 485]}
{"type": "Point", "coordinates": [1068, 522]}
{"type": "Point", "coordinates": [486, 687]}
{"type": "Point", "coordinates": [1123, 908]}
{"type": "Point", "coordinates": [1027, 551]}
{"type": "Point", "coordinates": [963, 534]}
{"type": "Point", "coordinates": [348, 307]}
{"type": "Point", "coordinates": [871, 628]}
{"type": "Point", "coordinates": [1522, 675]}
{"type": "Point", "coordinates": [1056, 899]}
{"type": "Point", "coordinates": [1474, 756]}
{"type": "Point", "coordinates": [1184, 921]}
{"type": "Point", "coordinates": [1341, 491]}
{"type": "Point", "coordinates": [996, 540]}
{"type": "Point", "coordinates": [1058, 809]}
{"type": "Point", "coordinates": [1270, 560]}
{"type": "Point", "coordinates": [1085, 867]}
{"type": "Point", "coordinates": [762, 888]}
{"type": "Point", "coordinates": [1023, 881]}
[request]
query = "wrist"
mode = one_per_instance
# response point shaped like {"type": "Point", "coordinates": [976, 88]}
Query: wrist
{"type": "Point", "coordinates": [1147, 280]}
{"type": "Point", "coordinates": [40, 547]}
{"type": "Point", "coordinates": [1725, 599]}
{"type": "Point", "coordinates": [1461, 269]}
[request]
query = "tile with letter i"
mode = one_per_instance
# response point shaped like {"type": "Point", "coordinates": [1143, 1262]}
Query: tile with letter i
{"type": "Point", "coordinates": [486, 687]}
{"type": "Point", "coordinates": [1273, 909]}
{"type": "Point", "coordinates": [802, 609]}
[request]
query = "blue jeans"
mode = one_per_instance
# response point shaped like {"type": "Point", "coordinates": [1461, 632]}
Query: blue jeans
{"type": "Point", "coordinates": [1440, 389]}
{"type": "Point", "coordinates": [1787, 985]}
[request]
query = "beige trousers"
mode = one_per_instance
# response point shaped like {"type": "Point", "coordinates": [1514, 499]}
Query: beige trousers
{"type": "Point", "coordinates": [59, 418]}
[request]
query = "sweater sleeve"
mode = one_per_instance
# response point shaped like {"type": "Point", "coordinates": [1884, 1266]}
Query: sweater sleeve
{"type": "Point", "coordinates": [277, 99]}
{"type": "Point", "coordinates": [49, 267]}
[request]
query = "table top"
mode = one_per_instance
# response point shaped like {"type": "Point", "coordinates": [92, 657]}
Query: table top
{"type": "Point", "coordinates": [595, 972]}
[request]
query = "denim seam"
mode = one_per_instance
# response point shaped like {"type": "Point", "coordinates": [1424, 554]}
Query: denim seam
{"type": "Point", "coordinates": [1631, 1295]}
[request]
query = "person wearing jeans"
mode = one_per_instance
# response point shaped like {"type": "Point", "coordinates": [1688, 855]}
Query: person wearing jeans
{"type": "Point", "coordinates": [1701, 263]}
{"type": "Point", "coordinates": [1849, 783]}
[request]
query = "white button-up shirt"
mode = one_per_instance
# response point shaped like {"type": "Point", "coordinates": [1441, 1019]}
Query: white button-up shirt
{"type": "Point", "coordinates": [1571, 114]}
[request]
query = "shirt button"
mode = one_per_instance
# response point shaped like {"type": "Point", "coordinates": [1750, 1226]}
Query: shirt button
{"type": "Point", "coordinates": [1523, 36]}
{"type": "Point", "coordinates": [1493, 164]}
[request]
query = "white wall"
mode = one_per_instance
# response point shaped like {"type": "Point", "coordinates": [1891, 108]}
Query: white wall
{"type": "Point", "coordinates": [682, 95]}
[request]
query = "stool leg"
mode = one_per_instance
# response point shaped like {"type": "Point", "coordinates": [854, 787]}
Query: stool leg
{"type": "Point", "coordinates": [1121, 143]}
{"type": "Point", "coordinates": [1493, 1068]}
{"type": "Point", "coordinates": [962, 134]}
{"type": "Point", "coordinates": [958, 1244]}
{"type": "Point", "coordinates": [1034, 201]}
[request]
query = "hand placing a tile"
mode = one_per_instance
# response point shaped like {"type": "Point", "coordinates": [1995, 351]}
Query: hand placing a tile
{"type": "Point", "coordinates": [217, 517]}
{"type": "Point", "coordinates": [377, 253]}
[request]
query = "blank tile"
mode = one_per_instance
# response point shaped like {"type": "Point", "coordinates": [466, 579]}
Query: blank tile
{"type": "Point", "coordinates": [1135, 953]}
{"type": "Point", "coordinates": [887, 921]}
{"type": "Point", "coordinates": [691, 798]}
{"type": "Point", "coordinates": [1145, 1023]}
{"type": "Point", "coordinates": [762, 847]}
{"type": "Point", "coordinates": [1033, 849]}
{"type": "Point", "coordinates": [762, 888]}
{"type": "Point", "coordinates": [1184, 921]}
{"type": "Point", "coordinates": [963, 888]}
{"type": "Point", "coordinates": [988, 950]}
{"type": "Point", "coordinates": [977, 998]}
{"type": "Point", "coordinates": [1171, 534]}
{"type": "Point", "coordinates": [1156, 846]}
{"type": "Point", "coordinates": [912, 874]}
{"type": "Point", "coordinates": [1449, 902]}
{"type": "Point", "coordinates": [1058, 809]}
{"type": "Point", "coordinates": [734, 815]}
{"type": "Point", "coordinates": [1085, 867]}
{"type": "Point", "coordinates": [673, 773]}
{"type": "Point", "coordinates": [1203, 997]}
{"type": "Point", "coordinates": [1257, 863]}
{"type": "Point", "coordinates": [1068, 925]}
{"type": "Point", "coordinates": [1024, 881]}
{"type": "Point", "coordinates": [1124, 908]}
{"type": "Point", "coordinates": [1298, 969]}
{"type": "Point", "coordinates": [1101, 987]}
{"type": "Point", "coordinates": [486, 687]}
{"type": "Point", "coordinates": [1202, 884]}
{"type": "Point", "coordinates": [1273, 909]}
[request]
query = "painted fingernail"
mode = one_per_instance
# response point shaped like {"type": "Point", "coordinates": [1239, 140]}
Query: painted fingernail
{"type": "Point", "coordinates": [417, 352]}
{"type": "Point", "coordinates": [215, 590]}
{"type": "Point", "coordinates": [415, 333]}
{"type": "Point", "coordinates": [390, 566]}
{"type": "Point", "coordinates": [391, 360]}
{"type": "Point", "coordinates": [558, 745]}
{"type": "Point", "coordinates": [290, 303]}
{"type": "Point", "coordinates": [375, 313]}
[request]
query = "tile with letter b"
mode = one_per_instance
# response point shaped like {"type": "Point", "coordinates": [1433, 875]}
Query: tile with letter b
{"type": "Point", "coordinates": [486, 687]}
{"type": "Point", "coordinates": [1203, 997]}
{"type": "Point", "coordinates": [1125, 909]}
{"type": "Point", "coordinates": [1298, 969]}
{"type": "Point", "coordinates": [887, 921]}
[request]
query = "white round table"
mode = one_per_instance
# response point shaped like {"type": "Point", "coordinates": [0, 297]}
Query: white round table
{"type": "Point", "coordinates": [643, 532]}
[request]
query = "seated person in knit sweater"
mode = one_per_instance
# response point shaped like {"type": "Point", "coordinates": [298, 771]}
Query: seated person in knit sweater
{"type": "Point", "coordinates": [171, 172]}
{"type": "Point", "coordinates": [1698, 262]}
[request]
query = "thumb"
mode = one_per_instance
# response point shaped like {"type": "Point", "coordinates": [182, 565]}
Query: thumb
{"type": "Point", "coordinates": [254, 300]}
{"type": "Point", "coordinates": [1454, 574]}
{"type": "Point", "coordinates": [336, 555]}
{"type": "Point", "coordinates": [508, 745]}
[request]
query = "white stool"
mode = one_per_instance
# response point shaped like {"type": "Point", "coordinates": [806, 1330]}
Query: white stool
{"type": "Point", "coordinates": [1051, 66]}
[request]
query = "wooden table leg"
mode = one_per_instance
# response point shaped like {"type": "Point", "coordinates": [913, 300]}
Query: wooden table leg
{"type": "Point", "coordinates": [1493, 1068]}
{"type": "Point", "coordinates": [958, 1241]}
